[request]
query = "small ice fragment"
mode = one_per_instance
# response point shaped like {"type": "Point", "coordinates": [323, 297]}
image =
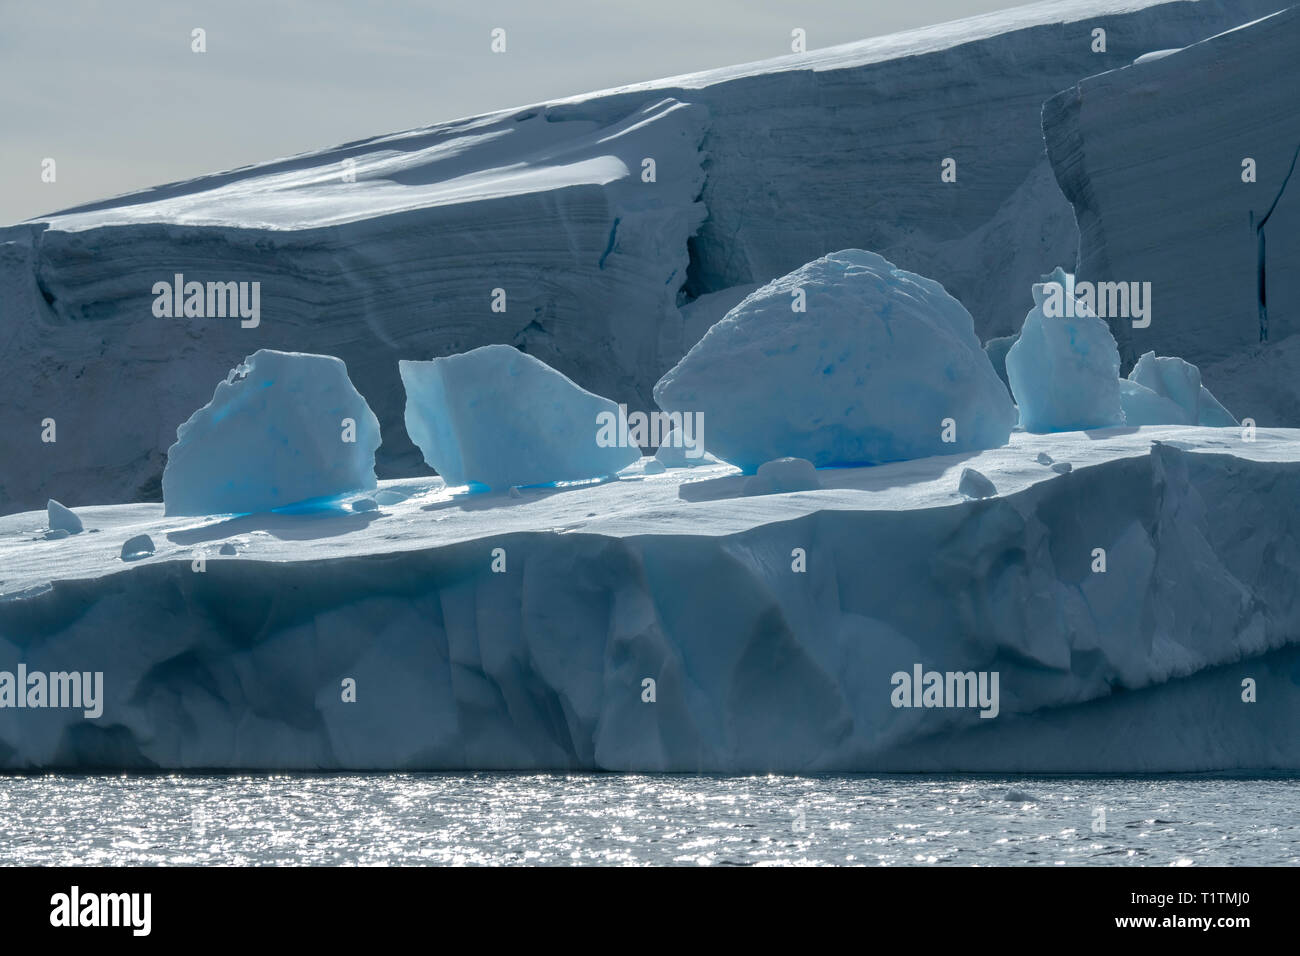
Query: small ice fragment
{"type": "Point", "coordinates": [1062, 467]}
{"type": "Point", "coordinates": [61, 518]}
{"type": "Point", "coordinates": [141, 546]}
{"type": "Point", "coordinates": [228, 548]}
{"type": "Point", "coordinates": [1043, 458]}
{"type": "Point", "coordinates": [654, 467]}
{"type": "Point", "coordinates": [975, 485]}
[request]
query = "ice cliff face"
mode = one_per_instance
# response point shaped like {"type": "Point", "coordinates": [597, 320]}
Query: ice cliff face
{"type": "Point", "coordinates": [1155, 158]}
{"type": "Point", "coordinates": [757, 169]}
{"type": "Point", "coordinates": [524, 638]}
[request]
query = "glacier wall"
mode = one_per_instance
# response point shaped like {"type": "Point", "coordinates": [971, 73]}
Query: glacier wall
{"type": "Point", "coordinates": [401, 264]}
{"type": "Point", "coordinates": [1151, 157]}
{"type": "Point", "coordinates": [757, 668]}
{"type": "Point", "coordinates": [760, 168]}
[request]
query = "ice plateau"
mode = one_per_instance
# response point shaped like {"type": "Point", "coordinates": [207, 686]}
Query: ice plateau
{"type": "Point", "coordinates": [376, 249]}
{"type": "Point", "coordinates": [283, 428]}
{"type": "Point", "coordinates": [497, 417]}
{"type": "Point", "coordinates": [848, 360]}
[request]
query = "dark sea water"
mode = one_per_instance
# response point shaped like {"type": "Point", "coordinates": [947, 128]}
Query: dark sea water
{"type": "Point", "coordinates": [565, 819]}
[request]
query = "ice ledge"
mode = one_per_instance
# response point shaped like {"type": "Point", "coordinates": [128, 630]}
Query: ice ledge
{"type": "Point", "coordinates": [757, 665]}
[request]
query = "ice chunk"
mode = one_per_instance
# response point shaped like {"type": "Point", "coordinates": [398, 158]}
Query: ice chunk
{"type": "Point", "coordinates": [61, 518]}
{"type": "Point", "coordinates": [227, 548]}
{"type": "Point", "coordinates": [1064, 368]}
{"type": "Point", "coordinates": [674, 453]}
{"type": "Point", "coordinates": [140, 546]}
{"type": "Point", "coordinates": [495, 416]}
{"type": "Point", "coordinates": [1164, 390]}
{"type": "Point", "coordinates": [1015, 795]}
{"type": "Point", "coordinates": [654, 467]}
{"type": "Point", "coordinates": [783, 475]}
{"type": "Point", "coordinates": [1062, 467]}
{"type": "Point", "coordinates": [282, 428]}
{"type": "Point", "coordinates": [973, 484]}
{"type": "Point", "coordinates": [1043, 458]}
{"type": "Point", "coordinates": [846, 360]}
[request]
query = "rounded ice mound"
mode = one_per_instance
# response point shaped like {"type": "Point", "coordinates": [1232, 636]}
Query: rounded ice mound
{"type": "Point", "coordinates": [869, 372]}
{"type": "Point", "coordinates": [497, 417]}
{"type": "Point", "coordinates": [1064, 368]}
{"type": "Point", "coordinates": [284, 427]}
{"type": "Point", "coordinates": [781, 476]}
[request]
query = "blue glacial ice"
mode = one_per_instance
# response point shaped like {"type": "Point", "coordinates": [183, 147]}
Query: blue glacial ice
{"type": "Point", "coordinates": [1164, 390]}
{"type": "Point", "coordinates": [1064, 367]}
{"type": "Point", "coordinates": [283, 428]}
{"type": "Point", "coordinates": [771, 624]}
{"type": "Point", "coordinates": [497, 417]}
{"type": "Point", "coordinates": [848, 360]}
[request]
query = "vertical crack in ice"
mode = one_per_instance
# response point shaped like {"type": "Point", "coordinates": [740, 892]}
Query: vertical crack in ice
{"type": "Point", "coordinates": [1261, 283]}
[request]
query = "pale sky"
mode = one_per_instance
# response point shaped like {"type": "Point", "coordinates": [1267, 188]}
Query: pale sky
{"type": "Point", "coordinates": [112, 92]}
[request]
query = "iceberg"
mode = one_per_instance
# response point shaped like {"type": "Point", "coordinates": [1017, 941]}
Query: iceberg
{"type": "Point", "coordinates": [519, 636]}
{"type": "Point", "coordinates": [1163, 390]}
{"type": "Point", "coordinates": [497, 417]}
{"type": "Point", "coordinates": [847, 360]}
{"type": "Point", "coordinates": [283, 428]}
{"type": "Point", "coordinates": [393, 245]}
{"type": "Point", "coordinates": [1064, 367]}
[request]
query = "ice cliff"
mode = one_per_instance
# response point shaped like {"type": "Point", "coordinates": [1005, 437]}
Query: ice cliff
{"type": "Point", "coordinates": [768, 626]}
{"type": "Point", "coordinates": [1170, 164]}
{"type": "Point", "coordinates": [545, 227]}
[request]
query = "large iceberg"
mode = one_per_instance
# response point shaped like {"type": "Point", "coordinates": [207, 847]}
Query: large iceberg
{"type": "Point", "coordinates": [283, 428]}
{"type": "Point", "coordinates": [847, 360]}
{"type": "Point", "coordinates": [438, 634]}
{"type": "Point", "coordinates": [497, 417]}
{"type": "Point", "coordinates": [394, 245]}
{"type": "Point", "coordinates": [1064, 367]}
